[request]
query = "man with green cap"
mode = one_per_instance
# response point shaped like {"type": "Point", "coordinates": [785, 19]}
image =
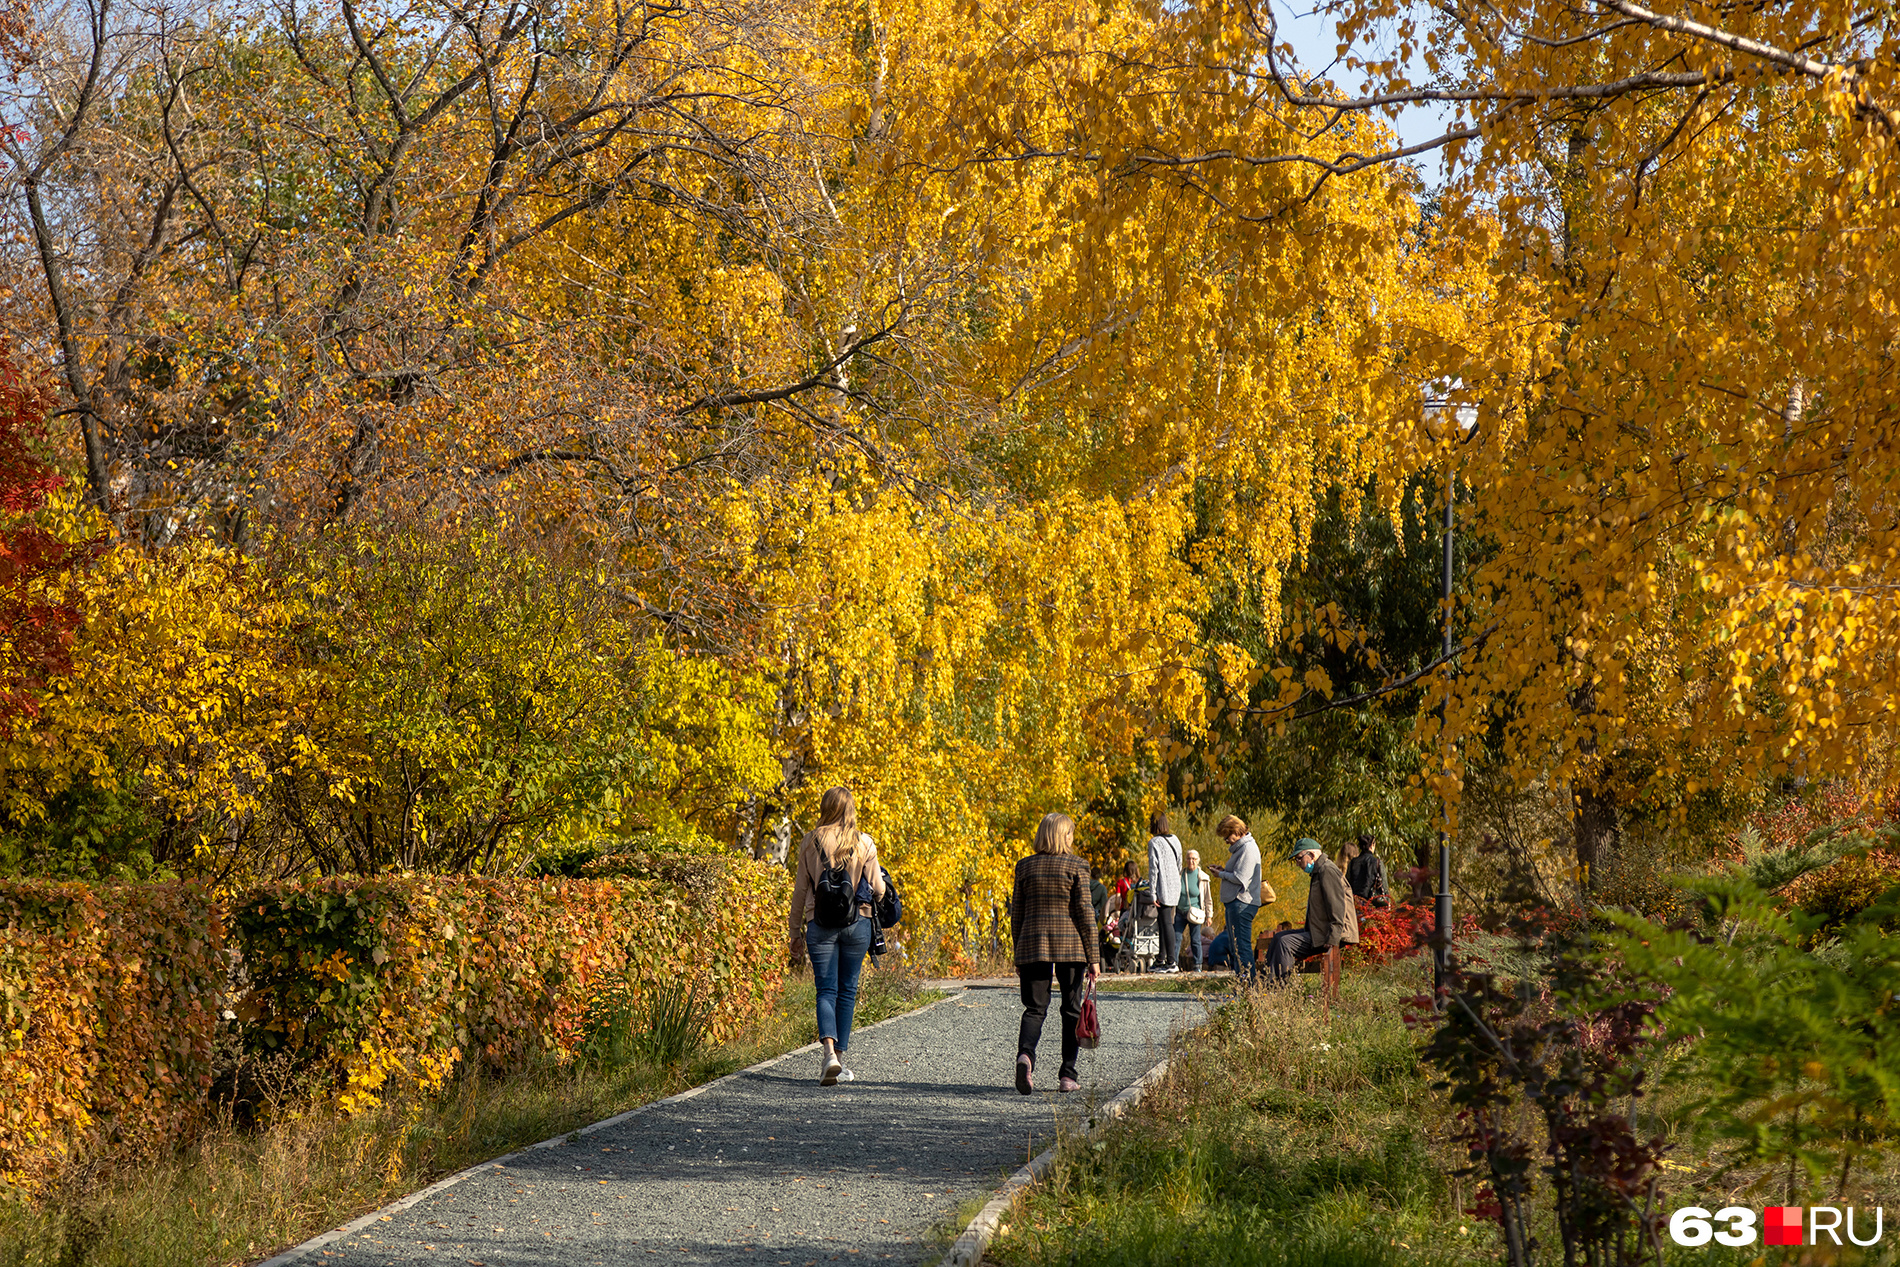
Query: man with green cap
{"type": "Point", "coordinates": [1331, 918]}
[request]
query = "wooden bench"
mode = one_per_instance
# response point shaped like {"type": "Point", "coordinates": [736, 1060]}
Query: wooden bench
{"type": "Point", "coordinates": [1327, 964]}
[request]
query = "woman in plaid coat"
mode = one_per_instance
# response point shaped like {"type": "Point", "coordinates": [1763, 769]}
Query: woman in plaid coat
{"type": "Point", "coordinates": [1053, 923]}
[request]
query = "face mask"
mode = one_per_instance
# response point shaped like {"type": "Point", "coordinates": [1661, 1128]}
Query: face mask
{"type": "Point", "coordinates": [1308, 868]}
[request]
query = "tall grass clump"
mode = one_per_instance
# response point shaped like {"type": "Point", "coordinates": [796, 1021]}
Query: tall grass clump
{"type": "Point", "coordinates": [659, 1024]}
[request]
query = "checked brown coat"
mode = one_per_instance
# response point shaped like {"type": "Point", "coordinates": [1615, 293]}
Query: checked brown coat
{"type": "Point", "coordinates": [1050, 915]}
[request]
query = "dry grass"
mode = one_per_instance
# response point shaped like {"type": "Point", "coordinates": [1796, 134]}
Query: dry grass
{"type": "Point", "coordinates": [236, 1196]}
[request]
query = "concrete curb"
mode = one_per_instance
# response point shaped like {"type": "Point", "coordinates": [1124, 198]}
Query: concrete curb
{"type": "Point", "coordinates": [968, 1249]}
{"type": "Point", "coordinates": [315, 1243]}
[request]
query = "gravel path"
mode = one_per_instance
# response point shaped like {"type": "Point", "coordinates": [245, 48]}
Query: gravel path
{"type": "Point", "coordinates": [741, 1173]}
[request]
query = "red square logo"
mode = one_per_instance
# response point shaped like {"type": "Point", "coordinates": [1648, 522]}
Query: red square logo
{"type": "Point", "coordinates": [1781, 1225]}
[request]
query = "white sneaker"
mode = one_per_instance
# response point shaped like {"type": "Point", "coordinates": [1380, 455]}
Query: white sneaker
{"type": "Point", "coordinates": [845, 1075]}
{"type": "Point", "coordinates": [1170, 969]}
{"type": "Point", "coordinates": [829, 1067]}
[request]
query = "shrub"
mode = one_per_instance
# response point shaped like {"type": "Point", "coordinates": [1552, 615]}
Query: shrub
{"type": "Point", "coordinates": [110, 996]}
{"type": "Point", "coordinates": [108, 1013]}
{"type": "Point", "coordinates": [393, 983]}
{"type": "Point", "coordinates": [1839, 892]}
{"type": "Point", "coordinates": [1401, 930]}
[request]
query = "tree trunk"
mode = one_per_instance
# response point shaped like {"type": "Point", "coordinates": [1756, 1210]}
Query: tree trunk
{"type": "Point", "coordinates": [1596, 828]}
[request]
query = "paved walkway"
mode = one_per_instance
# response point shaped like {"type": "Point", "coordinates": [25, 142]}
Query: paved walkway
{"type": "Point", "coordinates": [771, 1168]}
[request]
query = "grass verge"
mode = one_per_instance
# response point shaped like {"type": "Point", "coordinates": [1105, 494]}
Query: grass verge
{"type": "Point", "coordinates": [236, 1196]}
{"type": "Point", "coordinates": [1277, 1137]}
{"type": "Point", "coordinates": [1282, 1138]}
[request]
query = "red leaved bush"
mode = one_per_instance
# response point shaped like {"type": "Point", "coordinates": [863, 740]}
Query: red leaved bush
{"type": "Point", "coordinates": [391, 983]}
{"type": "Point", "coordinates": [34, 633]}
{"type": "Point", "coordinates": [1401, 930]}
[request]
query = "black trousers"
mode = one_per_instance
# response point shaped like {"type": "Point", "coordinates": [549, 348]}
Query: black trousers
{"type": "Point", "coordinates": [1035, 978]}
{"type": "Point", "coordinates": [1288, 948]}
{"type": "Point", "coordinates": [1170, 940]}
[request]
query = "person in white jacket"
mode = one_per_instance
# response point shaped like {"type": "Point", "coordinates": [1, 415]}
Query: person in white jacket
{"type": "Point", "coordinates": [1164, 881]}
{"type": "Point", "coordinates": [1242, 889]}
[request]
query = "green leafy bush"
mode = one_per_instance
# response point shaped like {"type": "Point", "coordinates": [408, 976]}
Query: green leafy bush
{"type": "Point", "coordinates": [1796, 1055]}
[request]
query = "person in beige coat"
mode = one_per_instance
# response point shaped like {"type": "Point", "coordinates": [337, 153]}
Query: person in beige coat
{"type": "Point", "coordinates": [1053, 924]}
{"type": "Point", "coordinates": [836, 940]}
{"type": "Point", "coordinates": [1331, 918]}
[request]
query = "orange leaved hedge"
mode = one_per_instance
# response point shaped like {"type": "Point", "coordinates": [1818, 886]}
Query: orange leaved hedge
{"type": "Point", "coordinates": [108, 1011]}
{"type": "Point", "coordinates": [394, 982]}
{"type": "Point", "coordinates": [112, 995]}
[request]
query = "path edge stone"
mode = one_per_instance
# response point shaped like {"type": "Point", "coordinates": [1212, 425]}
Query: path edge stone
{"type": "Point", "coordinates": [967, 1250]}
{"type": "Point", "coordinates": [315, 1243]}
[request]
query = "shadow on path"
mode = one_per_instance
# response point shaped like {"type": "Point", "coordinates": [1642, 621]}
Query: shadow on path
{"type": "Point", "coordinates": [771, 1168]}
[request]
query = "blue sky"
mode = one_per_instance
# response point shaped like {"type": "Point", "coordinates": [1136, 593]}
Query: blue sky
{"type": "Point", "coordinates": [1315, 42]}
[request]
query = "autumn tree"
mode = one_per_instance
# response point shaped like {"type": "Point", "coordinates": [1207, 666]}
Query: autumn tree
{"type": "Point", "coordinates": [1678, 347]}
{"type": "Point", "coordinates": [35, 627]}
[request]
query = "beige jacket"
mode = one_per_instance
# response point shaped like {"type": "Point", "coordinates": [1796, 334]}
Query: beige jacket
{"type": "Point", "coordinates": [861, 862]}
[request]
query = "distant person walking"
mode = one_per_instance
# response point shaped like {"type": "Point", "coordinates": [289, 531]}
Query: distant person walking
{"type": "Point", "coordinates": [1196, 906]}
{"type": "Point", "coordinates": [1053, 924]}
{"type": "Point", "coordinates": [1242, 890]}
{"type": "Point", "coordinates": [836, 881]}
{"type": "Point", "coordinates": [1365, 873]}
{"type": "Point", "coordinates": [1164, 881]}
{"type": "Point", "coordinates": [1331, 918]}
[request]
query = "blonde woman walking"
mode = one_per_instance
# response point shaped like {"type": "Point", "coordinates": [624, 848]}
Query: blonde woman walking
{"type": "Point", "coordinates": [836, 882]}
{"type": "Point", "coordinates": [1054, 927]}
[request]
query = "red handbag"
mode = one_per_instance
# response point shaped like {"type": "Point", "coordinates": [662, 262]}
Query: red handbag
{"type": "Point", "coordinates": [1088, 1028]}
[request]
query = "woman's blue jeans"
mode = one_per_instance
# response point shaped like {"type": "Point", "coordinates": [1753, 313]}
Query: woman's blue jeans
{"type": "Point", "coordinates": [1189, 944]}
{"type": "Point", "coordinates": [837, 956]}
{"type": "Point", "coordinates": [1240, 913]}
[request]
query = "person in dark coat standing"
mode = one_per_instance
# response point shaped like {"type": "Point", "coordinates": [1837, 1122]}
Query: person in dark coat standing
{"type": "Point", "coordinates": [1331, 918]}
{"type": "Point", "coordinates": [1053, 923]}
{"type": "Point", "coordinates": [1365, 874]}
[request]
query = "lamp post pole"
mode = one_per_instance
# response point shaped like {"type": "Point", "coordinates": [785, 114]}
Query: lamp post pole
{"type": "Point", "coordinates": [1464, 419]}
{"type": "Point", "coordinates": [1441, 913]}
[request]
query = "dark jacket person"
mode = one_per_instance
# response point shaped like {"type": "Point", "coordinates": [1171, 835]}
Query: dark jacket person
{"type": "Point", "coordinates": [1053, 923]}
{"type": "Point", "coordinates": [1365, 873]}
{"type": "Point", "coordinates": [1331, 918]}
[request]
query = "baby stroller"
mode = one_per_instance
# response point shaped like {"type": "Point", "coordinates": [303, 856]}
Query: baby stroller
{"type": "Point", "coordinates": [1138, 932]}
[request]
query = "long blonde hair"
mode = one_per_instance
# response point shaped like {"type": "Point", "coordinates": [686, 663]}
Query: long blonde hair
{"type": "Point", "coordinates": [1055, 834]}
{"type": "Point", "coordinates": [837, 822]}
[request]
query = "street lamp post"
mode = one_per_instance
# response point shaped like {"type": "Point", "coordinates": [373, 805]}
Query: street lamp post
{"type": "Point", "coordinates": [1465, 417]}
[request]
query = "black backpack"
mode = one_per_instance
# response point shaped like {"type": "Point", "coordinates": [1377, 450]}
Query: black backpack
{"type": "Point", "coordinates": [890, 909]}
{"type": "Point", "coordinates": [833, 896]}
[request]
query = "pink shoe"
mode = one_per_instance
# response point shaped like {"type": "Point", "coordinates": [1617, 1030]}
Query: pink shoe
{"type": "Point", "coordinates": [1068, 1084]}
{"type": "Point", "coordinates": [1024, 1068]}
